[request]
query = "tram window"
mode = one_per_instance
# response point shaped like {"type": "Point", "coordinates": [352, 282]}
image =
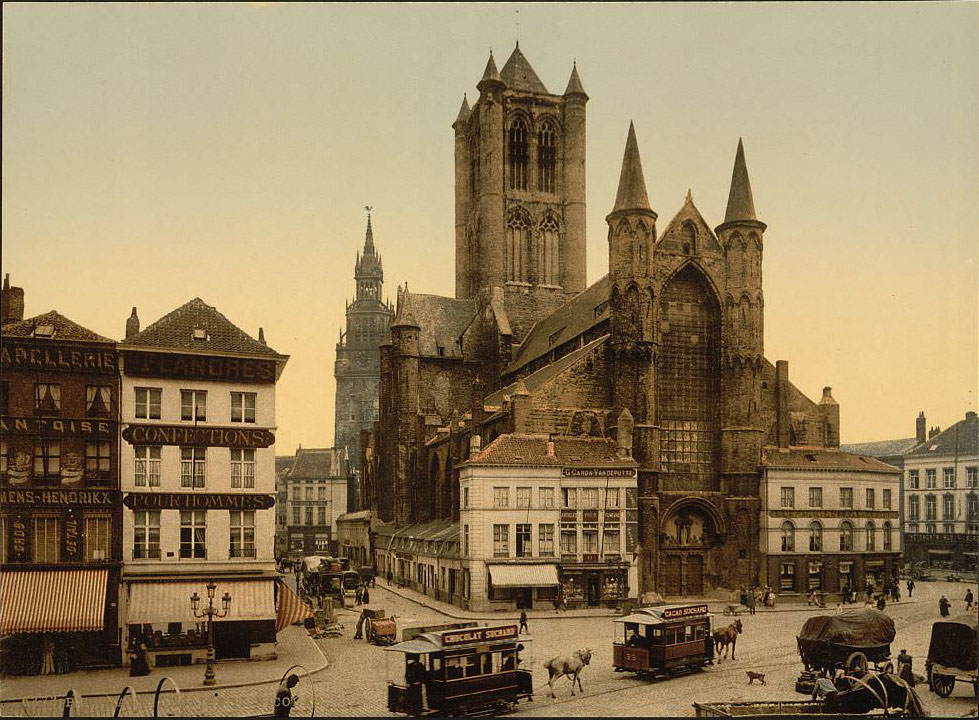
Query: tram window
{"type": "Point", "coordinates": [656, 632]}
{"type": "Point", "coordinates": [688, 633]}
{"type": "Point", "coordinates": [437, 666]}
{"type": "Point", "coordinates": [453, 667]}
{"type": "Point", "coordinates": [698, 632]}
{"type": "Point", "coordinates": [674, 635]}
{"type": "Point", "coordinates": [472, 665]}
{"type": "Point", "coordinates": [509, 660]}
{"type": "Point", "coordinates": [487, 659]}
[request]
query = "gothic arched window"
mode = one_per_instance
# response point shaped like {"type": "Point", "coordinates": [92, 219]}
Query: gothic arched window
{"type": "Point", "coordinates": [846, 536]}
{"type": "Point", "coordinates": [517, 244]}
{"type": "Point", "coordinates": [546, 158]}
{"type": "Point", "coordinates": [788, 537]}
{"type": "Point", "coordinates": [871, 536]}
{"type": "Point", "coordinates": [815, 536]}
{"type": "Point", "coordinates": [689, 239]}
{"type": "Point", "coordinates": [887, 536]}
{"type": "Point", "coordinates": [548, 252]}
{"type": "Point", "coordinates": [518, 155]}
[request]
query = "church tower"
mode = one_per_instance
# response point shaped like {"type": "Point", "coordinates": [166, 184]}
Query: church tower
{"type": "Point", "coordinates": [357, 370]}
{"type": "Point", "coordinates": [520, 192]}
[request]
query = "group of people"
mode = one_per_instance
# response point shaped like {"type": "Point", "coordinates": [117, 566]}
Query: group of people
{"type": "Point", "coordinates": [945, 605]}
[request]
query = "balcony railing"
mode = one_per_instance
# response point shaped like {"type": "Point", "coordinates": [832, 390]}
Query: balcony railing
{"type": "Point", "coordinates": [146, 552]}
{"type": "Point", "coordinates": [243, 551]}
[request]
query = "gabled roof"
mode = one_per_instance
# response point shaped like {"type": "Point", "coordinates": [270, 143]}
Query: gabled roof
{"type": "Point", "coordinates": [518, 75]}
{"type": "Point", "coordinates": [315, 463]}
{"type": "Point", "coordinates": [583, 311]}
{"type": "Point", "coordinates": [801, 458]}
{"type": "Point", "coordinates": [672, 238]}
{"type": "Point", "coordinates": [175, 330]}
{"type": "Point", "coordinates": [531, 450]}
{"type": "Point", "coordinates": [61, 328]}
{"type": "Point", "coordinates": [881, 448]}
{"type": "Point", "coordinates": [283, 463]}
{"type": "Point", "coordinates": [442, 321]}
{"type": "Point", "coordinates": [961, 438]}
{"type": "Point", "coordinates": [533, 382]}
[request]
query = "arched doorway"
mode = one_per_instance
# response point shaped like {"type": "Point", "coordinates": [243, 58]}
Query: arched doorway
{"type": "Point", "coordinates": [690, 530]}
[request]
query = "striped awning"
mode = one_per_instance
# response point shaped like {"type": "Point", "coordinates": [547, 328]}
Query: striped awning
{"type": "Point", "coordinates": [291, 608]}
{"type": "Point", "coordinates": [523, 575]}
{"type": "Point", "coordinates": [168, 601]}
{"type": "Point", "coordinates": [35, 601]}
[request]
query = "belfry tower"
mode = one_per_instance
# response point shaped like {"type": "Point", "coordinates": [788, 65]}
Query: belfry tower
{"type": "Point", "coordinates": [520, 192]}
{"type": "Point", "coordinates": [357, 370]}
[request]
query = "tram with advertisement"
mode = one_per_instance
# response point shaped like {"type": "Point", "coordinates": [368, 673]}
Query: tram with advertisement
{"type": "Point", "coordinates": [465, 671]}
{"type": "Point", "coordinates": [663, 640]}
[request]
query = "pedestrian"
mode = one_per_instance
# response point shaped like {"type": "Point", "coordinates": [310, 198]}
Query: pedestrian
{"type": "Point", "coordinates": [389, 577]}
{"type": "Point", "coordinates": [910, 586]}
{"type": "Point", "coordinates": [968, 599]}
{"type": "Point", "coordinates": [365, 596]}
{"type": "Point", "coordinates": [751, 601]}
{"type": "Point", "coordinates": [811, 600]}
{"type": "Point", "coordinates": [523, 622]}
{"type": "Point", "coordinates": [360, 595]}
{"type": "Point", "coordinates": [360, 625]}
{"type": "Point", "coordinates": [881, 602]}
{"type": "Point", "coordinates": [140, 664]}
{"type": "Point", "coordinates": [824, 687]}
{"type": "Point", "coordinates": [285, 700]}
{"type": "Point", "coordinates": [744, 596]}
{"type": "Point", "coordinates": [374, 581]}
{"type": "Point", "coordinates": [47, 657]}
{"type": "Point", "coordinates": [846, 593]}
{"type": "Point", "coordinates": [943, 606]}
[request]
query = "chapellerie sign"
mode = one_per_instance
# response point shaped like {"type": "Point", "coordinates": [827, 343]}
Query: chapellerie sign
{"type": "Point", "coordinates": [198, 436]}
{"type": "Point", "coordinates": [45, 355]}
{"type": "Point", "coordinates": [197, 501]}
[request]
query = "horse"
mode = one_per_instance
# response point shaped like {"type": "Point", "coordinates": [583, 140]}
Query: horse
{"type": "Point", "coordinates": [570, 666]}
{"type": "Point", "coordinates": [727, 636]}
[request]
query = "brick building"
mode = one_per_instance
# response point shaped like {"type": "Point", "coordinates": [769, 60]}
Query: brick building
{"type": "Point", "coordinates": [198, 476]}
{"type": "Point", "coordinates": [61, 505]}
{"type": "Point", "coordinates": [673, 333]}
{"type": "Point", "coordinates": [357, 369]}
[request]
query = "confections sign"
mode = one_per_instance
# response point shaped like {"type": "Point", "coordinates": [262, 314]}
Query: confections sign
{"type": "Point", "coordinates": [198, 436]}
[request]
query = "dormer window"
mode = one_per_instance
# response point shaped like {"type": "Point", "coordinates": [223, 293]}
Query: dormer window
{"type": "Point", "coordinates": [200, 334]}
{"type": "Point", "coordinates": [45, 331]}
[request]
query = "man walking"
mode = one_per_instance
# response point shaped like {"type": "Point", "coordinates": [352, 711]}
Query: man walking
{"type": "Point", "coordinates": [943, 606]}
{"type": "Point", "coordinates": [910, 587]}
{"type": "Point", "coordinates": [968, 599]}
{"type": "Point", "coordinates": [751, 601]}
{"type": "Point", "coordinates": [523, 622]}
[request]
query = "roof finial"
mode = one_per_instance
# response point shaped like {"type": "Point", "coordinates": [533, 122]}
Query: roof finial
{"type": "Point", "coordinates": [369, 240]}
{"type": "Point", "coordinates": [689, 195]}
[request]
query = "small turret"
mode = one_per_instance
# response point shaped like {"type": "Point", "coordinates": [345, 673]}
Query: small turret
{"type": "Point", "coordinates": [132, 324]}
{"type": "Point", "coordinates": [632, 223]}
{"type": "Point", "coordinates": [920, 428]}
{"type": "Point", "coordinates": [574, 84]}
{"type": "Point", "coordinates": [491, 76]}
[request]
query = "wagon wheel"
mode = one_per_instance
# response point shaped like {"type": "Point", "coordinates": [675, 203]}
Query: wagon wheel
{"type": "Point", "coordinates": [944, 685]}
{"type": "Point", "coordinates": [856, 661]}
{"type": "Point", "coordinates": [889, 668]}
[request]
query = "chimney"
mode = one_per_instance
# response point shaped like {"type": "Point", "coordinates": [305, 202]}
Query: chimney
{"type": "Point", "coordinates": [829, 409]}
{"type": "Point", "coordinates": [933, 432]}
{"type": "Point", "coordinates": [970, 414]}
{"type": "Point", "coordinates": [920, 428]}
{"type": "Point", "coordinates": [261, 335]}
{"type": "Point", "coordinates": [11, 302]}
{"type": "Point", "coordinates": [520, 405]}
{"type": "Point", "coordinates": [782, 403]}
{"type": "Point", "coordinates": [475, 444]}
{"type": "Point", "coordinates": [132, 324]}
{"type": "Point", "coordinates": [550, 449]}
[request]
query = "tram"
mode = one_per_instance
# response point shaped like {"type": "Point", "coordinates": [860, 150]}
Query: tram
{"type": "Point", "coordinates": [477, 670]}
{"type": "Point", "coordinates": [663, 640]}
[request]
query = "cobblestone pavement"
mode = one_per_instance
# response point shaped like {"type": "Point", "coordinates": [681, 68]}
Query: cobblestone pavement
{"type": "Point", "coordinates": [354, 683]}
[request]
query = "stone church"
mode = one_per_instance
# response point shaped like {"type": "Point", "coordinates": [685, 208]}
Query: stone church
{"type": "Point", "coordinates": [664, 353]}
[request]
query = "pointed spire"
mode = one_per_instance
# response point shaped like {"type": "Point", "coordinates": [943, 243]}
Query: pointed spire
{"type": "Point", "coordinates": [464, 112]}
{"type": "Point", "coordinates": [518, 74]}
{"type": "Point", "coordinates": [404, 318]}
{"type": "Point", "coordinates": [574, 83]}
{"type": "Point", "coordinates": [632, 185]}
{"type": "Point", "coordinates": [490, 74]}
{"type": "Point", "coordinates": [740, 205]}
{"type": "Point", "coordinates": [689, 200]}
{"type": "Point", "coordinates": [369, 239]}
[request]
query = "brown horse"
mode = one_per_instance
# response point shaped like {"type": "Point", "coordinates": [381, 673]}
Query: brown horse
{"type": "Point", "coordinates": [727, 636]}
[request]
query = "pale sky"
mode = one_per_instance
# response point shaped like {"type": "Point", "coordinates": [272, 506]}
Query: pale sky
{"type": "Point", "coordinates": [157, 153]}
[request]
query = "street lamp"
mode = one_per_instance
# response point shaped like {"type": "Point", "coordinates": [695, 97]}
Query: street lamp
{"type": "Point", "coordinates": [210, 612]}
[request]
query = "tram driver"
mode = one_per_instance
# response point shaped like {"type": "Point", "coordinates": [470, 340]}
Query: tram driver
{"type": "Point", "coordinates": [635, 639]}
{"type": "Point", "coordinates": [415, 676]}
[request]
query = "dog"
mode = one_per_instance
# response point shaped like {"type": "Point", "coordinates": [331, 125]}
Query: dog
{"type": "Point", "coordinates": [752, 676]}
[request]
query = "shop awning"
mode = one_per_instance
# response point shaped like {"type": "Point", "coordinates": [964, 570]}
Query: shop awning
{"type": "Point", "coordinates": [523, 575]}
{"type": "Point", "coordinates": [168, 601]}
{"type": "Point", "coordinates": [933, 551]}
{"type": "Point", "coordinates": [291, 608]}
{"type": "Point", "coordinates": [35, 601]}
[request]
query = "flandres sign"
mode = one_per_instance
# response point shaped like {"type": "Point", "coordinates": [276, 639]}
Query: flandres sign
{"type": "Point", "coordinates": [474, 635]}
{"type": "Point", "coordinates": [197, 501]}
{"type": "Point", "coordinates": [198, 367]}
{"type": "Point", "coordinates": [198, 436]}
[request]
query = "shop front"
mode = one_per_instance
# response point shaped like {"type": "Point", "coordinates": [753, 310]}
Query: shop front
{"type": "Point", "coordinates": [589, 585]}
{"type": "Point", "coordinates": [527, 586]}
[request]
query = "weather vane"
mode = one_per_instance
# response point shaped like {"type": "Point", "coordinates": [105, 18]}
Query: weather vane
{"type": "Point", "coordinates": [368, 208]}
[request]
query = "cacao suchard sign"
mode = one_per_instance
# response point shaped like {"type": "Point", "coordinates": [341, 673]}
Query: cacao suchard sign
{"type": "Point", "coordinates": [198, 436]}
{"type": "Point", "coordinates": [197, 501]}
{"type": "Point", "coordinates": [682, 612]}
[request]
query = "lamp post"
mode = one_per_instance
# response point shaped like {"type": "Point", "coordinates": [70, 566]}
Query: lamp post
{"type": "Point", "coordinates": [210, 612]}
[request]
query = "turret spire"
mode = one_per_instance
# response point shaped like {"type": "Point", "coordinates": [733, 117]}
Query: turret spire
{"type": "Point", "coordinates": [632, 184]}
{"type": "Point", "coordinates": [369, 240]}
{"type": "Point", "coordinates": [740, 205]}
{"type": "Point", "coordinates": [464, 111]}
{"type": "Point", "coordinates": [574, 83]}
{"type": "Point", "coordinates": [490, 74]}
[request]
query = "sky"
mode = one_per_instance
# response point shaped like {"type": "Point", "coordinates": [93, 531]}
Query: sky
{"type": "Point", "coordinates": [160, 152]}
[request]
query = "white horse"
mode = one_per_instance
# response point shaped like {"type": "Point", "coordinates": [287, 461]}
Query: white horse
{"type": "Point", "coordinates": [570, 666]}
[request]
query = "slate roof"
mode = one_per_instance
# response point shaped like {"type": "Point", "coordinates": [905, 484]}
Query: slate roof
{"type": "Point", "coordinates": [519, 75]}
{"type": "Point", "coordinates": [62, 327]}
{"type": "Point", "coordinates": [631, 194]}
{"type": "Point", "coordinates": [740, 204]}
{"type": "Point", "coordinates": [574, 83]}
{"type": "Point", "coordinates": [176, 330]}
{"type": "Point", "coordinates": [537, 380]}
{"type": "Point", "coordinates": [283, 463]}
{"type": "Point", "coordinates": [353, 516]}
{"type": "Point", "coordinates": [442, 320]}
{"type": "Point", "coordinates": [531, 450]}
{"type": "Point", "coordinates": [435, 530]}
{"type": "Point", "coordinates": [821, 459]}
{"type": "Point", "coordinates": [571, 319]}
{"type": "Point", "coordinates": [881, 448]}
{"type": "Point", "coordinates": [314, 463]}
{"type": "Point", "coordinates": [961, 438]}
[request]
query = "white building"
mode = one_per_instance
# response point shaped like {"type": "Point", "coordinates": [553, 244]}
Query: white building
{"type": "Point", "coordinates": [828, 519]}
{"type": "Point", "coordinates": [941, 504]}
{"type": "Point", "coordinates": [317, 492]}
{"type": "Point", "coordinates": [198, 483]}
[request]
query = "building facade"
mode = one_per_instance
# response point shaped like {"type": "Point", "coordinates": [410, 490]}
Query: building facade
{"type": "Point", "coordinates": [319, 489]}
{"type": "Point", "coordinates": [61, 506]}
{"type": "Point", "coordinates": [357, 369]}
{"type": "Point", "coordinates": [198, 469]}
{"type": "Point", "coordinates": [673, 334]}
{"type": "Point", "coordinates": [829, 520]}
{"type": "Point", "coordinates": [941, 521]}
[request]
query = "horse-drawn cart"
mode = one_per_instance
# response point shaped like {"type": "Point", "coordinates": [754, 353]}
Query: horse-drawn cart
{"type": "Point", "coordinates": [953, 655]}
{"type": "Point", "coordinates": [379, 629]}
{"type": "Point", "coordinates": [848, 641]}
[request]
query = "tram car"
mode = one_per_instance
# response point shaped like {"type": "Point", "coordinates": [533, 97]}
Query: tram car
{"type": "Point", "coordinates": [467, 671]}
{"type": "Point", "coordinates": [663, 640]}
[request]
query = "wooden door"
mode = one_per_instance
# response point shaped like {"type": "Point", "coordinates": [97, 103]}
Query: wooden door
{"type": "Point", "coordinates": [694, 575]}
{"type": "Point", "coordinates": [673, 575]}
